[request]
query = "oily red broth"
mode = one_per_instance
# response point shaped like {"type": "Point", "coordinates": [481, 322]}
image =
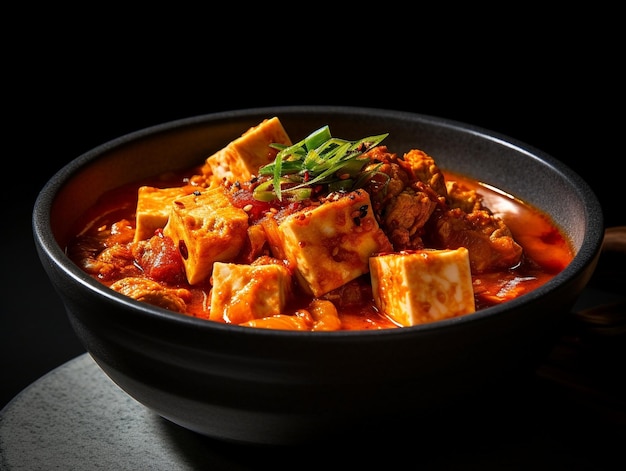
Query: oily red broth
{"type": "Point", "coordinates": [546, 252]}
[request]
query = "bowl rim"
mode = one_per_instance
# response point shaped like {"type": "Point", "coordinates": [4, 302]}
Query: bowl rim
{"type": "Point", "coordinates": [45, 242]}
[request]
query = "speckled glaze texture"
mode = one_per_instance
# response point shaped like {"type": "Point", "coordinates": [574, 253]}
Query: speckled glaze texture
{"type": "Point", "coordinates": [278, 387]}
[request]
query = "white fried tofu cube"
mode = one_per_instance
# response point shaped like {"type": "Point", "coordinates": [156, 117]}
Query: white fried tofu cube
{"type": "Point", "coordinates": [241, 293]}
{"type": "Point", "coordinates": [206, 228]}
{"type": "Point", "coordinates": [242, 158]}
{"type": "Point", "coordinates": [330, 244]}
{"type": "Point", "coordinates": [153, 208]}
{"type": "Point", "coordinates": [416, 287]}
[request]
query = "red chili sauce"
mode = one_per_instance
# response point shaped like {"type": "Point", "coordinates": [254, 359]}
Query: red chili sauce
{"type": "Point", "coordinates": [111, 221]}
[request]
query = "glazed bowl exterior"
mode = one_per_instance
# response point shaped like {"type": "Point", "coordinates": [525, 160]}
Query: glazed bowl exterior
{"type": "Point", "coordinates": [281, 387]}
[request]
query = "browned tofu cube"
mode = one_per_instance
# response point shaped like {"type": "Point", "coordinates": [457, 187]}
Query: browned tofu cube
{"type": "Point", "coordinates": [242, 158]}
{"type": "Point", "coordinates": [244, 292]}
{"type": "Point", "coordinates": [417, 287]}
{"type": "Point", "coordinates": [153, 208]}
{"type": "Point", "coordinates": [330, 245]}
{"type": "Point", "coordinates": [206, 228]}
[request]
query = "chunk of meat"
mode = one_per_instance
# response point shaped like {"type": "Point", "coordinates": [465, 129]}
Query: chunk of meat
{"type": "Point", "coordinates": [107, 264]}
{"type": "Point", "coordinates": [405, 216]}
{"type": "Point", "coordinates": [464, 198]}
{"type": "Point", "coordinates": [390, 178]}
{"type": "Point", "coordinates": [106, 253]}
{"type": "Point", "coordinates": [405, 193]}
{"type": "Point", "coordinates": [159, 258]}
{"type": "Point", "coordinates": [354, 293]}
{"type": "Point", "coordinates": [468, 223]}
{"type": "Point", "coordinates": [151, 292]}
{"type": "Point", "coordinates": [489, 241]}
{"type": "Point", "coordinates": [411, 199]}
{"type": "Point", "coordinates": [117, 261]}
{"type": "Point", "coordinates": [422, 167]}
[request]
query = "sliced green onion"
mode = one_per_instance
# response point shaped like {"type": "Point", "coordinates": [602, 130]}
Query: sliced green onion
{"type": "Point", "coordinates": [318, 159]}
{"type": "Point", "coordinates": [301, 194]}
{"type": "Point", "coordinates": [340, 185]}
{"type": "Point", "coordinates": [278, 168]}
{"type": "Point", "coordinates": [264, 192]}
{"type": "Point", "coordinates": [317, 138]}
{"type": "Point", "coordinates": [288, 167]}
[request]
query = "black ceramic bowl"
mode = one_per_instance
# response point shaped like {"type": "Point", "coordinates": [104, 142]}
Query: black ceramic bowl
{"type": "Point", "coordinates": [281, 387]}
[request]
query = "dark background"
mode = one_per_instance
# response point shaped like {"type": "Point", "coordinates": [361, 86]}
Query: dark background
{"type": "Point", "coordinates": [558, 94]}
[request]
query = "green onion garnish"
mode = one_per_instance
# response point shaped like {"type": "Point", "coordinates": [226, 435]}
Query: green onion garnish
{"type": "Point", "coordinates": [318, 159]}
